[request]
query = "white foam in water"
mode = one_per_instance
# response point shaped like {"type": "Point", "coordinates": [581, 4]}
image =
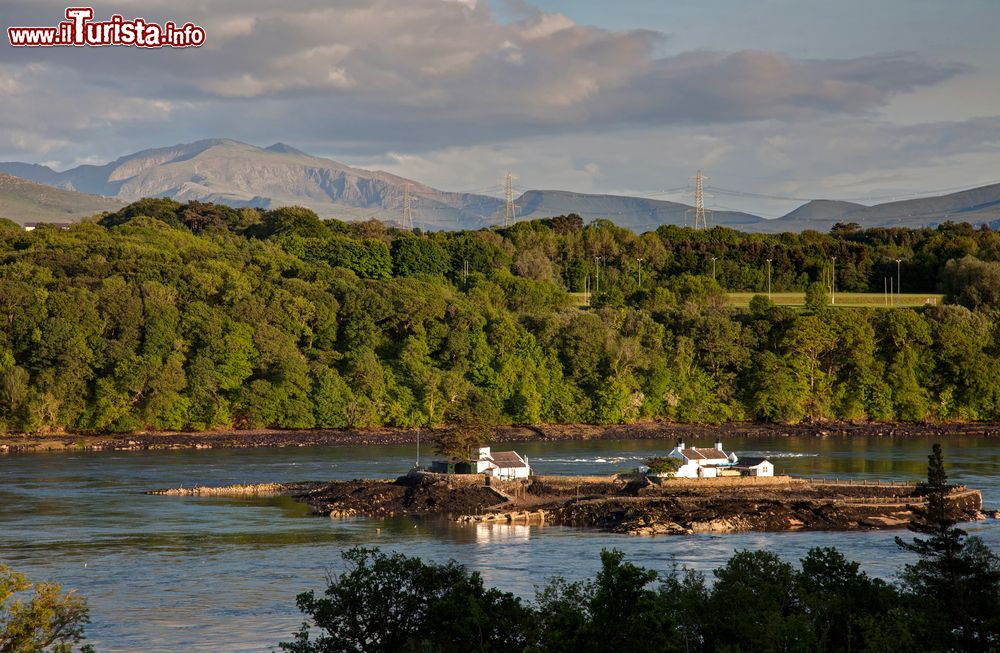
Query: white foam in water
{"type": "Point", "coordinates": [782, 454]}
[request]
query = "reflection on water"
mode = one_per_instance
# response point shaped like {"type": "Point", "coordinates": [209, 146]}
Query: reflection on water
{"type": "Point", "coordinates": [167, 573]}
{"type": "Point", "coordinates": [496, 533]}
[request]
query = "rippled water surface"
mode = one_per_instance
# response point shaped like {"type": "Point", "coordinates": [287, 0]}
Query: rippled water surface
{"type": "Point", "coordinates": [214, 574]}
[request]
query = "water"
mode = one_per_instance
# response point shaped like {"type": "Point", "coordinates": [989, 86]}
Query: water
{"type": "Point", "coordinates": [217, 574]}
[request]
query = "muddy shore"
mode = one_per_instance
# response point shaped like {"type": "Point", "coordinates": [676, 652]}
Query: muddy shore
{"type": "Point", "coordinates": [545, 432]}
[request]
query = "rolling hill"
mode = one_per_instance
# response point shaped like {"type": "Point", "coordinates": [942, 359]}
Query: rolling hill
{"type": "Point", "coordinates": [27, 201]}
{"type": "Point", "coordinates": [238, 174]}
{"type": "Point", "coordinates": [636, 213]}
{"type": "Point", "coordinates": [976, 206]}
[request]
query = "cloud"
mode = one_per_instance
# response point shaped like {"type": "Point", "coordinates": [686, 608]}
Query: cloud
{"type": "Point", "coordinates": [835, 158]}
{"type": "Point", "coordinates": [381, 75]}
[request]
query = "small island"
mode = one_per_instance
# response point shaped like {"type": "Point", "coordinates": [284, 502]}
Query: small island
{"type": "Point", "coordinates": [690, 490]}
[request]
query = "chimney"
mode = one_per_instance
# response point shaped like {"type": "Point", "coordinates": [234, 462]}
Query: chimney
{"type": "Point", "coordinates": [680, 444]}
{"type": "Point", "coordinates": [718, 444]}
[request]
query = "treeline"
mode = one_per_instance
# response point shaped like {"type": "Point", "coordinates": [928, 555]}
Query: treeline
{"type": "Point", "coordinates": [755, 602]}
{"type": "Point", "coordinates": [947, 600]}
{"type": "Point", "coordinates": [196, 316]}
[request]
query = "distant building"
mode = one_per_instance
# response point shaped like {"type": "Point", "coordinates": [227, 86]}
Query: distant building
{"type": "Point", "coordinates": [754, 466]}
{"type": "Point", "coordinates": [499, 464]}
{"type": "Point", "coordinates": [506, 464]}
{"type": "Point", "coordinates": [698, 462]}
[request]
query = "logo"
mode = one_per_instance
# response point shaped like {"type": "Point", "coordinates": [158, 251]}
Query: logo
{"type": "Point", "coordinates": [79, 30]}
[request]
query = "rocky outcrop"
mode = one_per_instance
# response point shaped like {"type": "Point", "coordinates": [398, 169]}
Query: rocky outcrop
{"type": "Point", "coordinates": [413, 494]}
{"type": "Point", "coordinates": [789, 508]}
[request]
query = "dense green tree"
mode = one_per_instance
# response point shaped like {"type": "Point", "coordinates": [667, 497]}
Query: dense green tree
{"type": "Point", "coordinates": [418, 256]}
{"type": "Point", "coordinates": [619, 610]}
{"type": "Point", "coordinates": [954, 588]}
{"type": "Point", "coordinates": [291, 221]}
{"type": "Point", "coordinates": [393, 604]}
{"type": "Point", "coordinates": [160, 208]}
{"type": "Point", "coordinates": [972, 282]}
{"type": "Point", "coordinates": [39, 617]}
{"type": "Point", "coordinates": [770, 617]}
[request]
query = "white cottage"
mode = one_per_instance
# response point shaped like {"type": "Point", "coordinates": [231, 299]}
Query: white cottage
{"type": "Point", "coordinates": [754, 466]}
{"type": "Point", "coordinates": [502, 464]}
{"type": "Point", "coordinates": [698, 462]}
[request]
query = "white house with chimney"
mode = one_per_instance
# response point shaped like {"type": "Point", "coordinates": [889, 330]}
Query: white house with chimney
{"type": "Point", "coordinates": [700, 462]}
{"type": "Point", "coordinates": [502, 464]}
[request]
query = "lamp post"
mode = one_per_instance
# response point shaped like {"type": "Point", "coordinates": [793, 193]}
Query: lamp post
{"type": "Point", "coordinates": [833, 281]}
{"type": "Point", "coordinates": [597, 279]}
{"type": "Point", "coordinates": [899, 277]}
{"type": "Point", "coordinates": [638, 271]}
{"type": "Point", "coordinates": [769, 278]}
{"type": "Point", "coordinates": [713, 268]}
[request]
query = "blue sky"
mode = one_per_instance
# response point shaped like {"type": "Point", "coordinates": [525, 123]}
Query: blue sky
{"type": "Point", "coordinates": [797, 98]}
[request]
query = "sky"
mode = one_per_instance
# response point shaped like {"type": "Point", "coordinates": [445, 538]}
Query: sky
{"type": "Point", "coordinates": [860, 100]}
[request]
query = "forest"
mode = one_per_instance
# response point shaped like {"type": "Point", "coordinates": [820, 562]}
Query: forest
{"type": "Point", "coordinates": [168, 316]}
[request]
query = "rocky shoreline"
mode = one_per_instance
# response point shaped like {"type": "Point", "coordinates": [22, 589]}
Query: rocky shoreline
{"type": "Point", "coordinates": [641, 506]}
{"type": "Point", "coordinates": [236, 439]}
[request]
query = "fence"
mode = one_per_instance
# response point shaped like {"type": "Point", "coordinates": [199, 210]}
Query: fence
{"type": "Point", "coordinates": [858, 482]}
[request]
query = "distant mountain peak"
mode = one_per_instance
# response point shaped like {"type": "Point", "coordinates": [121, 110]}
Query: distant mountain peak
{"type": "Point", "coordinates": [284, 148]}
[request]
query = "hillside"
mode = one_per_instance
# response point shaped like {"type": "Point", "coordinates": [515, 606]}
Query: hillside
{"type": "Point", "coordinates": [636, 213]}
{"type": "Point", "coordinates": [977, 206]}
{"type": "Point", "coordinates": [238, 174]}
{"type": "Point", "coordinates": [819, 210]}
{"type": "Point", "coordinates": [26, 201]}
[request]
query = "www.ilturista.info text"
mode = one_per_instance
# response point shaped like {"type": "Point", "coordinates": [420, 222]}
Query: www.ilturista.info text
{"type": "Point", "coordinates": [79, 29]}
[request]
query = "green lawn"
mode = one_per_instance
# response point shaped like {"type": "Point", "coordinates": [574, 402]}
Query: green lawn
{"type": "Point", "coordinates": [876, 300]}
{"type": "Point", "coordinates": [849, 299]}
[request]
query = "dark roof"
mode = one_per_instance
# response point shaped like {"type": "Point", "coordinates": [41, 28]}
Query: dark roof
{"type": "Point", "coordinates": [507, 459]}
{"type": "Point", "coordinates": [694, 453]}
{"type": "Point", "coordinates": [751, 461]}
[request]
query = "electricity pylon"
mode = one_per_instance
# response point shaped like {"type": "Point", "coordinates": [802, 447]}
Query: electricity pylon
{"type": "Point", "coordinates": [407, 213]}
{"type": "Point", "coordinates": [700, 218]}
{"type": "Point", "coordinates": [509, 215]}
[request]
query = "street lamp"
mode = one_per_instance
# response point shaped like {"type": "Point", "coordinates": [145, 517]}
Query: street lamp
{"type": "Point", "coordinates": [833, 281]}
{"type": "Point", "coordinates": [713, 268]}
{"type": "Point", "coordinates": [597, 260]}
{"type": "Point", "coordinates": [769, 278]}
{"type": "Point", "coordinates": [899, 277]}
{"type": "Point", "coordinates": [638, 271]}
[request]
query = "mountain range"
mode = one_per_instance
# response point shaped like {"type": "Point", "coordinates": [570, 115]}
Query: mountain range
{"type": "Point", "coordinates": [238, 174]}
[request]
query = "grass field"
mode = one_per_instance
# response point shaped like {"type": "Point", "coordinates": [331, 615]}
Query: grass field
{"type": "Point", "coordinates": [850, 299]}
{"type": "Point", "coordinates": [847, 299]}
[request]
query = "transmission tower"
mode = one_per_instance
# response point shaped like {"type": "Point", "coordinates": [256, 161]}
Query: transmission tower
{"type": "Point", "coordinates": [509, 215]}
{"type": "Point", "coordinates": [700, 219]}
{"type": "Point", "coordinates": [407, 214]}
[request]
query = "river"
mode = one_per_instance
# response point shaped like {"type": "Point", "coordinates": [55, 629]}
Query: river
{"type": "Point", "coordinates": [165, 573]}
